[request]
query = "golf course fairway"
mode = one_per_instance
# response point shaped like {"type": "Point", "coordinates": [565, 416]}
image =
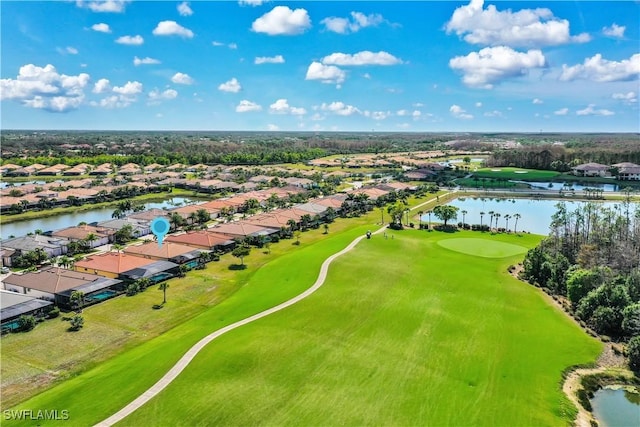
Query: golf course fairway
{"type": "Point", "coordinates": [403, 332]}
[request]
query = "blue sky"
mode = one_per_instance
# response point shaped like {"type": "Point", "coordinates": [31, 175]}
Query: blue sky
{"type": "Point", "coordinates": [321, 66]}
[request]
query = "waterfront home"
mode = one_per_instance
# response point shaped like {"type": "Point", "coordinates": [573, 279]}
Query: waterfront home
{"type": "Point", "coordinates": [13, 305]}
{"type": "Point", "coordinates": [139, 227]}
{"type": "Point", "coordinates": [110, 264]}
{"type": "Point", "coordinates": [628, 171]}
{"type": "Point", "coordinates": [591, 169]}
{"type": "Point", "coordinates": [51, 245]}
{"type": "Point", "coordinates": [92, 235]}
{"type": "Point", "coordinates": [79, 169]}
{"type": "Point", "coordinates": [8, 168]}
{"type": "Point", "coordinates": [103, 169]}
{"type": "Point", "coordinates": [56, 284]}
{"type": "Point", "coordinates": [243, 229]}
{"type": "Point", "coordinates": [203, 239]}
{"type": "Point", "coordinates": [53, 170]}
{"type": "Point", "coordinates": [148, 215]}
{"type": "Point", "coordinates": [168, 251]}
{"type": "Point", "coordinates": [156, 272]}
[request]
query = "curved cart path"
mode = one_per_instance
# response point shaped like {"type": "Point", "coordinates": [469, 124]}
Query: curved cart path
{"type": "Point", "coordinates": [184, 361]}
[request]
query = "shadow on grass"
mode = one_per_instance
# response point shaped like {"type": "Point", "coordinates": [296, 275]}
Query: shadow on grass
{"type": "Point", "coordinates": [158, 306]}
{"type": "Point", "coordinates": [237, 267]}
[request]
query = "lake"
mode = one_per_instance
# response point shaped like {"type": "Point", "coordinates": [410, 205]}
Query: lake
{"type": "Point", "coordinates": [21, 228]}
{"type": "Point", "coordinates": [616, 407]}
{"type": "Point", "coordinates": [557, 186]}
{"type": "Point", "coordinates": [535, 214]}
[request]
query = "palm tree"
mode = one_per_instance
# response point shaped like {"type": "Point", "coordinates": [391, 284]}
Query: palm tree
{"type": "Point", "coordinates": [381, 214]}
{"type": "Point", "coordinates": [91, 237]}
{"type": "Point", "coordinates": [163, 287]}
{"type": "Point", "coordinates": [420, 219]}
{"type": "Point", "coordinates": [491, 214]}
{"type": "Point", "coordinates": [506, 217]}
{"type": "Point", "coordinates": [515, 226]}
{"type": "Point", "coordinates": [497, 216]}
{"type": "Point", "coordinates": [76, 299]}
{"type": "Point", "coordinates": [481, 216]}
{"type": "Point", "coordinates": [429, 212]}
{"type": "Point", "coordinates": [175, 219]}
{"type": "Point", "coordinates": [464, 213]}
{"type": "Point", "coordinates": [292, 224]}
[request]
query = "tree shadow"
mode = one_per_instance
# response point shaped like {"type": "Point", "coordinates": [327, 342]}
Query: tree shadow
{"type": "Point", "coordinates": [158, 306]}
{"type": "Point", "coordinates": [237, 267]}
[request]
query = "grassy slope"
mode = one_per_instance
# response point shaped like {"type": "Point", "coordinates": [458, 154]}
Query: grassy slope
{"type": "Point", "coordinates": [400, 335]}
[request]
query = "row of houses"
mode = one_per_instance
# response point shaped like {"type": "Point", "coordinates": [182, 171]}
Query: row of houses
{"type": "Point", "coordinates": [625, 171]}
{"type": "Point", "coordinates": [104, 275]}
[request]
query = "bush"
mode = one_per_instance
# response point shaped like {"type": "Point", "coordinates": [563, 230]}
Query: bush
{"type": "Point", "coordinates": [55, 312]}
{"type": "Point", "coordinates": [132, 289]}
{"type": "Point", "coordinates": [633, 353]}
{"type": "Point", "coordinates": [396, 226]}
{"type": "Point", "coordinates": [76, 323]}
{"type": "Point", "coordinates": [26, 323]}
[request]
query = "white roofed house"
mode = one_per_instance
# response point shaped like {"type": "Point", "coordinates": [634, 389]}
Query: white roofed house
{"type": "Point", "coordinates": [591, 169]}
{"type": "Point", "coordinates": [628, 171]}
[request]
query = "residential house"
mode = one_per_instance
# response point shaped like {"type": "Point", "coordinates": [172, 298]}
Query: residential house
{"type": "Point", "coordinates": [167, 251]}
{"type": "Point", "coordinates": [77, 233]}
{"type": "Point", "coordinates": [628, 171]}
{"type": "Point", "coordinates": [243, 229]}
{"type": "Point", "coordinates": [13, 305]}
{"type": "Point", "coordinates": [156, 272]}
{"type": "Point", "coordinates": [591, 169]}
{"type": "Point", "coordinates": [79, 169]}
{"type": "Point", "coordinates": [203, 239]}
{"type": "Point", "coordinates": [139, 227]}
{"type": "Point", "coordinates": [53, 170]}
{"type": "Point", "coordinates": [51, 245]}
{"type": "Point", "coordinates": [110, 264]}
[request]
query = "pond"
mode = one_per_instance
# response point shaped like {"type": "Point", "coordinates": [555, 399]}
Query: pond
{"type": "Point", "coordinates": [616, 407]}
{"type": "Point", "coordinates": [557, 186]}
{"type": "Point", "coordinates": [535, 215]}
{"type": "Point", "coordinates": [21, 228]}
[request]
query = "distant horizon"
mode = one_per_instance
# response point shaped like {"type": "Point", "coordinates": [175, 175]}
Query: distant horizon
{"type": "Point", "coordinates": [322, 66]}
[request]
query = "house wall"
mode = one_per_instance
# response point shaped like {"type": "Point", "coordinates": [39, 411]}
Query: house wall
{"type": "Point", "coordinates": [104, 273]}
{"type": "Point", "coordinates": [30, 292]}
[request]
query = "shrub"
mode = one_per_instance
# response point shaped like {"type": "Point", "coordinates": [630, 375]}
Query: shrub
{"type": "Point", "coordinates": [26, 323]}
{"type": "Point", "coordinates": [132, 289]}
{"type": "Point", "coordinates": [55, 312]}
{"type": "Point", "coordinates": [633, 353]}
{"type": "Point", "coordinates": [76, 323]}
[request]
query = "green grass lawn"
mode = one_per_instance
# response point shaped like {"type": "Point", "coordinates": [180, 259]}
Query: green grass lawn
{"type": "Point", "coordinates": [516, 173]}
{"type": "Point", "coordinates": [399, 335]}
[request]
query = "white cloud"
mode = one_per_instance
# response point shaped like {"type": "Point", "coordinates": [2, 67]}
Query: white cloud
{"type": "Point", "coordinates": [614, 30]}
{"type": "Point", "coordinates": [459, 113]}
{"type": "Point", "coordinates": [272, 127]}
{"type": "Point", "coordinates": [603, 70]}
{"type": "Point", "coordinates": [106, 6]}
{"type": "Point", "coordinates": [478, 104]}
{"type": "Point", "coordinates": [493, 64]}
{"type": "Point", "coordinates": [130, 40]}
{"type": "Point", "coordinates": [317, 117]}
{"type": "Point", "coordinates": [182, 79]}
{"type": "Point", "coordinates": [230, 86]}
{"type": "Point", "coordinates": [155, 96]}
{"type": "Point", "coordinates": [524, 28]}
{"type": "Point", "coordinates": [561, 112]}
{"type": "Point", "coordinates": [184, 9]}
{"type": "Point", "coordinates": [494, 113]}
{"type": "Point", "coordinates": [416, 114]}
{"type": "Point", "coordinates": [325, 73]}
{"type": "Point", "coordinates": [129, 89]}
{"type": "Point", "coordinates": [340, 108]}
{"type": "Point", "coordinates": [361, 58]}
{"type": "Point", "coordinates": [230, 45]}
{"type": "Point", "coordinates": [629, 97]}
{"type": "Point", "coordinates": [591, 111]}
{"type": "Point", "coordinates": [281, 106]}
{"type": "Point", "coordinates": [358, 20]}
{"type": "Point", "coordinates": [71, 50]}
{"type": "Point", "coordinates": [145, 61]}
{"type": "Point", "coordinates": [537, 101]}
{"type": "Point", "coordinates": [377, 115]}
{"type": "Point", "coordinates": [44, 88]}
{"type": "Point", "coordinates": [366, 76]}
{"type": "Point", "coordinates": [253, 3]}
{"type": "Point", "coordinates": [247, 106]}
{"type": "Point", "coordinates": [402, 113]}
{"type": "Point", "coordinates": [102, 86]}
{"type": "Point", "coordinates": [278, 59]}
{"type": "Point", "coordinates": [101, 28]}
{"type": "Point", "coordinates": [172, 28]}
{"type": "Point", "coordinates": [282, 21]}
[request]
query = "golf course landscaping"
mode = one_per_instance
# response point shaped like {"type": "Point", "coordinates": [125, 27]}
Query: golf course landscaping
{"type": "Point", "coordinates": [409, 330]}
{"type": "Point", "coordinates": [516, 173]}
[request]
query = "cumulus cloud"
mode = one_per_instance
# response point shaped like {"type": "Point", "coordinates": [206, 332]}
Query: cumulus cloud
{"type": "Point", "coordinates": [339, 108]}
{"type": "Point", "coordinates": [253, 3]}
{"type": "Point", "coordinates": [278, 59]}
{"type": "Point", "coordinates": [603, 70]}
{"type": "Point", "coordinates": [325, 73]}
{"type": "Point", "coordinates": [130, 88]}
{"type": "Point", "coordinates": [101, 28]}
{"type": "Point", "coordinates": [377, 115]}
{"type": "Point", "coordinates": [102, 86]}
{"type": "Point", "coordinates": [537, 101]}
{"type": "Point", "coordinates": [614, 30]}
{"type": "Point", "coordinates": [358, 21]}
{"type": "Point", "coordinates": [106, 6]}
{"type": "Point", "coordinates": [182, 79]}
{"type": "Point", "coordinates": [459, 113]}
{"type": "Point", "coordinates": [156, 95]}
{"type": "Point", "coordinates": [561, 112]}
{"type": "Point", "coordinates": [281, 106]}
{"type": "Point", "coordinates": [282, 21]}
{"type": "Point", "coordinates": [493, 64]}
{"type": "Point", "coordinates": [361, 58]}
{"type": "Point", "coordinates": [629, 97]}
{"type": "Point", "coordinates": [130, 40]}
{"type": "Point", "coordinates": [246, 106]}
{"type": "Point", "coordinates": [591, 111]}
{"type": "Point", "coordinates": [523, 28]}
{"type": "Point", "coordinates": [184, 9]}
{"type": "Point", "coordinates": [172, 28]}
{"type": "Point", "coordinates": [145, 61]}
{"type": "Point", "coordinates": [45, 88]}
{"type": "Point", "coordinates": [230, 86]}
{"type": "Point", "coordinates": [230, 45]}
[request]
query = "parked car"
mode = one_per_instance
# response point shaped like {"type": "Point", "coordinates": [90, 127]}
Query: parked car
{"type": "Point", "coordinates": [5, 270]}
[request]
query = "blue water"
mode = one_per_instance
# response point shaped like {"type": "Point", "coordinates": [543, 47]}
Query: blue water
{"type": "Point", "coordinates": [160, 277]}
{"type": "Point", "coordinates": [535, 215]}
{"type": "Point", "coordinates": [557, 186]}
{"type": "Point", "coordinates": [616, 408]}
{"type": "Point", "coordinates": [106, 294]}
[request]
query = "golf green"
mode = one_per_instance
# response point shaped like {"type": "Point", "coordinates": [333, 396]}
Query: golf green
{"type": "Point", "coordinates": [482, 247]}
